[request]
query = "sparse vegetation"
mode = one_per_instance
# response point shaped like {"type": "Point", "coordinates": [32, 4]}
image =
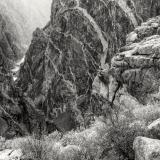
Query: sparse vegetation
{"type": "Point", "coordinates": [103, 140]}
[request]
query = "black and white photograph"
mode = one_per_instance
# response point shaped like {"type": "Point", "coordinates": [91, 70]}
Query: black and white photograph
{"type": "Point", "coordinates": [79, 79]}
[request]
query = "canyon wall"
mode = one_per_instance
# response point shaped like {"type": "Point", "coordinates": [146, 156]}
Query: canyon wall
{"type": "Point", "coordinates": [18, 19]}
{"type": "Point", "coordinates": [145, 8]}
{"type": "Point", "coordinates": [63, 69]}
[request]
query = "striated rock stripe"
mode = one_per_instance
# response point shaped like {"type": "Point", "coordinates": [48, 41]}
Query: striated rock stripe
{"type": "Point", "coordinates": [128, 11]}
{"type": "Point", "coordinates": [97, 29]}
{"type": "Point", "coordinates": [94, 24]}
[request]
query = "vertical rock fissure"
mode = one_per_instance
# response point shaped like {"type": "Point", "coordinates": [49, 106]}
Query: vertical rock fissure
{"type": "Point", "coordinates": [128, 11]}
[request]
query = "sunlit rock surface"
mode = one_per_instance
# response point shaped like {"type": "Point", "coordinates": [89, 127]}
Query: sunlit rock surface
{"type": "Point", "coordinates": [10, 154]}
{"type": "Point", "coordinates": [137, 63]}
{"type": "Point", "coordinates": [146, 148]}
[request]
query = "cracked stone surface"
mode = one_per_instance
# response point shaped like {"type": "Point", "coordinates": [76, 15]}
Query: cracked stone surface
{"type": "Point", "coordinates": [145, 8]}
{"type": "Point", "coordinates": [137, 64]}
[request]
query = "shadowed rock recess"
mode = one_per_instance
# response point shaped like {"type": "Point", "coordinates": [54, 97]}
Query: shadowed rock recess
{"type": "Point", "coordinates": [137, 64]}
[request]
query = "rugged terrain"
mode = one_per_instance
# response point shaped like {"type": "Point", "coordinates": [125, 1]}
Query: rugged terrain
{"type": "Point", "coordinates": [10, 52]}
{"type": "Point", "coordinates": [137, 63]}
{"type": "Point", "coordinates": [80, 66]}
{"type": "Point", "coordinates": [62, 69]}
{"type": "Point", "coordinates": [66, 74]}
{"type": "Point", "coordinates": [24, 17]}
{"type": "Point", "coordinates": [14, 38]}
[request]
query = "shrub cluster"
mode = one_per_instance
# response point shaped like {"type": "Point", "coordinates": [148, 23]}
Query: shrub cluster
{"type": "Point", "coordinates": [110, 138]}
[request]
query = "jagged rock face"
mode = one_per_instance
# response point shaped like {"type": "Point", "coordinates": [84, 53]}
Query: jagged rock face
{"type": "Point", "coordinates": [10, 52]}
{"type": "Point", "coordinates": [18, 19]}
{"type": "Point", "coordinates": [137, 65]}
{"type": "Point", "coordinates": [63, 60]}
{"type": "Point", "coordinates": [145, 8]}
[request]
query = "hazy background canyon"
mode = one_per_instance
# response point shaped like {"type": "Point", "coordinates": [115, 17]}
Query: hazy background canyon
{"type": "Point", "coordinates": [26, 16]}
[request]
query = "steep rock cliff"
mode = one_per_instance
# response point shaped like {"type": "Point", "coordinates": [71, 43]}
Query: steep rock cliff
{"type": "Point", "coordinates": [62, 72]}
{"type": "Point", "coordinates": [14, 108]}
{"type": "Point", "coordinates": [10, 52]}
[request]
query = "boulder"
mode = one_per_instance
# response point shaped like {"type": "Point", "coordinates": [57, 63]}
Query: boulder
{"type": "Point", "coordinates": [146, 148]}
{"type": "Point", "coordinates": [9, 154]}
{"type": "Point", "coordinates": [154, 128]}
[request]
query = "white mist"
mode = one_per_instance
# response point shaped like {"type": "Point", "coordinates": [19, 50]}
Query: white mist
{"type": "Point", "coordinates": [26, 15]}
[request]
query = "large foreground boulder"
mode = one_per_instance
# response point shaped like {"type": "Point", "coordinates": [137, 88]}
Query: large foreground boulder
{"type": "Point", "coordinates": [10, 154]}
{"type": "Point", "coordinates": [146, 148]}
